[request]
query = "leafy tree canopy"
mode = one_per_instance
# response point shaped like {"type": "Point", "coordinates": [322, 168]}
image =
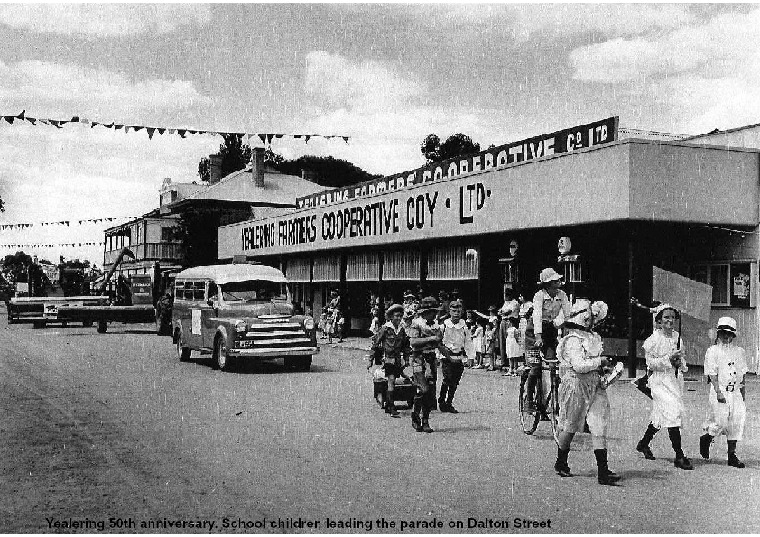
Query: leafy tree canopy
{"type": "Point", "coordinates": [455, 145]}
{"type": "Point", "coordinates": [328, 171]}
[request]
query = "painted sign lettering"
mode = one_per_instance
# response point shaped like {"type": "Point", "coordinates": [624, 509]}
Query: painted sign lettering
{"type": "Point", "coordinates": [564, 141]}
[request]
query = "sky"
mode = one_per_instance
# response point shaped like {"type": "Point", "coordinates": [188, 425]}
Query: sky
{"type": "Point", "coordinates": [384, 74]}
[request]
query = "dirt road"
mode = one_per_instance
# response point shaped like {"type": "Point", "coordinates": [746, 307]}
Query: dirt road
{"type": "Point", "coordinates": [109, 433]}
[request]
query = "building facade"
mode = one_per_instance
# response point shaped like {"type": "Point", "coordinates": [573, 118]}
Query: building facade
{"type": "Point", "coordinates": [627, 206]}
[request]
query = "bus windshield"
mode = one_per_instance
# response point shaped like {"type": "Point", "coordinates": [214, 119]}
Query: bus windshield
{"type": "Point", "coordinates": [254, 291]}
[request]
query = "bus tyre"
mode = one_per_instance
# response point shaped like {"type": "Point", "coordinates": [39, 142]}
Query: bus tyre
{"type": "Point", "coordinates": [183, 353]}
{"type": "Point", "coordinates": [298, 363]}
{"type": "Point", "coordinates": [222, 360]}
{"type": "Point", "coordinates": [102, 327]}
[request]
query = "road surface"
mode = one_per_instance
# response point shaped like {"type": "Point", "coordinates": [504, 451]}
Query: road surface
{"type": "Point", "coordinates": [111, 433]}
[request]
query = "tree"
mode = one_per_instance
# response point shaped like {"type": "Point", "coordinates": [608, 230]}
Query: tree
{"type": "Point", "coordinates": [455, 145]}
{"type": "Point", "coordinates": [234, 153]}
{"type": "Point", "coordinates": [19, 266]}
{"type": "Point", "coordinates": [330, 171]}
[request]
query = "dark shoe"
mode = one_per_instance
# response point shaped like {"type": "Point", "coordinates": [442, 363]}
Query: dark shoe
{"type": "Point", "coordinates": [426, 426]}
{"type": "Point", "coordinates": [443, 407]}
{"type": "Point", "coordinates": [450, 408]}
{"type": "Point", "coordinates": [394, 413]}
{"type": "Point", "coordinates": [734, 461]}
{"type": "Point", "coordinates": [563, 470]}
{"type": "Point", "coordinates": [704, 445]}
{"type": "Point", "coordinates": [644, 448]}
{"type": "Point", "coordinates": [608, 479]}
{"type": "Point", "coordinates": [683, 463]}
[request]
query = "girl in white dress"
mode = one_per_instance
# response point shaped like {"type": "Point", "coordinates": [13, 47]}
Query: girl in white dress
{"type": "Point", "coordinates": [666, 361]}
{"type": "Point", "coordinates": [725, 367]}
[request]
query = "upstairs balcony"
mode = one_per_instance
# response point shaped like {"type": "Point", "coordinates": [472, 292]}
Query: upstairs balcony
{"type": "Point", "coordinates": [150, 251]}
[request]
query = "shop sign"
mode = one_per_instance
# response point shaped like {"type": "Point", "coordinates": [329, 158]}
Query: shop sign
{"type": "Point", "coordinates": [563, 141]}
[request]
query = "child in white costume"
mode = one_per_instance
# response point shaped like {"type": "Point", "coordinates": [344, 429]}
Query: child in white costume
{"type": "Point", "coordinates": [725, 367]}
{"type": "Point", "coordinates": [582, 396]}
{"type": "Point", "coordinates": [664, 355]}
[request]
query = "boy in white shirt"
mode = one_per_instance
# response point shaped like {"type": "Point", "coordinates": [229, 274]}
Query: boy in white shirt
{"type": "Point", "coordinates": [455, 347]}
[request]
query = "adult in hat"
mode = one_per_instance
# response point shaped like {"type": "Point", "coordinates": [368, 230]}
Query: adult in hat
{"type": "Point", "coordinates": [725, 367]}
{"type": "Point", "coordinates": [424, 337]}
{"type": "Point", "coordinates": [392, 343]}
{"type": "Point", "coordinates": [666, 361]}
{"type": "Point", "coordinates": [582, 394]}
{"type": "Point", "coordinates": [550, 307]}
{"type": "Point", "coordinates": [411, 305]}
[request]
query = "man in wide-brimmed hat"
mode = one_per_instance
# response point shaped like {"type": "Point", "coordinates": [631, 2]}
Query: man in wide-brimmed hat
{"type": "Point", "coordinates": [550, 307]}
{"type": "Point", "coordinates": [425, 337]}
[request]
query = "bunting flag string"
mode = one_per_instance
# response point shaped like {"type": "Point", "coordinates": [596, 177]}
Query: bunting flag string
{"type": "Point", "coordinates": [53, 245]}
{"type": "Point", "coordinates": [67, 223]}
{"type": "Point", "coordinates": [264, 137]}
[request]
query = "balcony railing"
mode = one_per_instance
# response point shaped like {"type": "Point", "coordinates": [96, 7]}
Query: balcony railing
{"type": "Point", "coordinates": [159, 251]}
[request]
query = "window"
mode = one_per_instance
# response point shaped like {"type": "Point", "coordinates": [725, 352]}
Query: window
{"type": "Point", "coordinates": [254, 291]}
{"type": "Point", "coordinates": [213, 291]}
{"type": "Point", "coordinates": [179, 289]}
{"type": "Point", "coordinates": [731, 283]}
{"type": "Point", "coordinates": [167, 234]}
{"type": "Point", "coordinates": [199, 290]}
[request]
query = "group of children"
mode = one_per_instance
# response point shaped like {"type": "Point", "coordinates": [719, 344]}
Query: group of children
{"type": "Point", "coordinates": [429, 343]}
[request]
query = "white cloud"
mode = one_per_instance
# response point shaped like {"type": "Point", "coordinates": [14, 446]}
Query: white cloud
{"type": "Point", "coordinates": [366, 85]}
{"type": "Point", "coordinates": [608, 19]}
{"type": "Point", "coordinates": [103, 19]}
{"type": "Point", "coordinates": [92, 93]}
{"type": "Point", "coordinates": [718, 47]}
{"type": "Point", "coordinates": [708, 74]}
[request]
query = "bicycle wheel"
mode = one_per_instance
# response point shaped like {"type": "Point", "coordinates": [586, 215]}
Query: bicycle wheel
{"type": "Point", "coordinates": [528, 421]}
{"type": "Point", "coordinates": [552, 407]}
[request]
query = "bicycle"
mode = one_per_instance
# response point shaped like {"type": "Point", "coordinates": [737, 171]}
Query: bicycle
{"type": "Point", "coordinates": [546, 401]}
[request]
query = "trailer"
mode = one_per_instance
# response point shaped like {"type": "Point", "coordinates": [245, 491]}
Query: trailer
{"type": "Point", "coordinates": [43, 310]}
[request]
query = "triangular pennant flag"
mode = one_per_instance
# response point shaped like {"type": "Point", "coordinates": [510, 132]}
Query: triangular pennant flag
{"type": "Point", "coordinates": [137, 128]}
{"type": "Point", "coordinates": [192, 132]}
{"type": "Point", "coordinates": [55, 123]}
{"type": "Point", "coordinates": [31, 120]}
{"type": "Point", "coordinates": [345, 139]}
{"type": "Point", "coordinates": [269, 138]}
{"type": "Point", "coordinates": [67, 223]}
{"type": "Point", "coordinates": [151, 132]}
{"type": "Point", "coordinates": [296, 136]}
{"type": "Point", "coordinates": [172, 131]}
{"type": "Point", "coordinates": [21, 115]}
{"type": "Point", "coordinates": [94, 123]}
{"type": "Point", "coordinates": [85, 121]}
{"type": "Point", "coordinates": [45, 121]}
{"type": "Point", "coordinates": [9, 119]}
{"type": "Point", "coordinates": [279, 135]}
{"type": "Point", "coordinates": [161, 130]}
{"type": "Point", "coordinates": [108, 126]}
{"type": "Point", "coordinates": [126, 128]}
{"type": "Point", "coordinates": [74, 119]}
{"type": "Point", "coordinates": [181, 132]}
{"type": "Point", "coordinates": [307, 137]}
